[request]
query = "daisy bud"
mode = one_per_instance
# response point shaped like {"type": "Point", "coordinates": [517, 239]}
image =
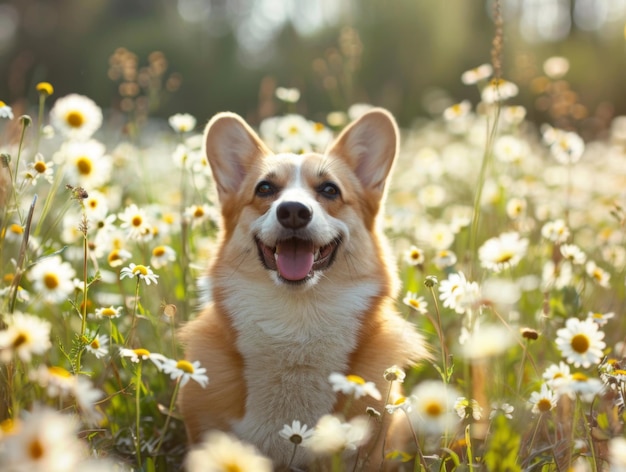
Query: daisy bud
{"type": "Point", "coordinates": [5, 159]}
{"type": "Point", "coordinates": [431, 281]}
{"type": "Point", "coordinates": [25, 120]}
{"type": "Point", "coordinates": [45, 88]}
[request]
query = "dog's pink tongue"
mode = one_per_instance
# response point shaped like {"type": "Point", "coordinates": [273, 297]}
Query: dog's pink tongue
{"type": "Point", "coordinates": [294, 259]}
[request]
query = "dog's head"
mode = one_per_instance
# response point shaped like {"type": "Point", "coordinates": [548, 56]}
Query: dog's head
{"type": "Point", "coordinates": [298, 217]}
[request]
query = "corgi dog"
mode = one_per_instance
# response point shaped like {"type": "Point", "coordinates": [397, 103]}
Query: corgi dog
{"type": "Point", "coordinates": [302, 286]}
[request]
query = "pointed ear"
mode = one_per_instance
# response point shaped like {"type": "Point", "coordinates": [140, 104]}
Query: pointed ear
{"type": "Point", "coordinates": [369, 146]}
{"type": "Point", "coordinates": [231, 148]}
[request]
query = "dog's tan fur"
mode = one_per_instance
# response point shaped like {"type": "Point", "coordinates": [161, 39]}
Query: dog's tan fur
{"type": "Point", "coordinates": [269, 344]}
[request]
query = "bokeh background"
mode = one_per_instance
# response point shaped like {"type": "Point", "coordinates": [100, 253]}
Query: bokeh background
{"type": "Point", "coordinates": [202, 56]}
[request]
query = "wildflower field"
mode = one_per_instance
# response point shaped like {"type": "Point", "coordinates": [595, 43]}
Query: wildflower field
{"type": "Point", "coordinates": [509, 238]}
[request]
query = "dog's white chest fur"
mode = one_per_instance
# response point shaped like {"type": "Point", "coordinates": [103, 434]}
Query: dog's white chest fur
{"type": "Point", "coordinates": [290, 345]}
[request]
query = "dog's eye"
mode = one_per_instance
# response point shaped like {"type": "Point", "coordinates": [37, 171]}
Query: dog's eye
{"type": "Point", "coordinates": [329, 190]}
{"type": "Point", "coordinates": [265, 189]}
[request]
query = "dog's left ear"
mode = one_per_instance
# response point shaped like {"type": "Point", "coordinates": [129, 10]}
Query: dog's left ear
{"type": "Point", "coordinates": [369, 146]}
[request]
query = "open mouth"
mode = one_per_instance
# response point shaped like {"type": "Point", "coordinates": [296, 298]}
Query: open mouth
{"type": "Point", "coordinates": [297, 259]}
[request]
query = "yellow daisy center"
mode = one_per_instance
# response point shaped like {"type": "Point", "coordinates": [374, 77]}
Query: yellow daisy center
{"type": "Point", "coordinates": [232, 467]}
{"type": "Point", "coordinates": [51, 281]}
{"type": "Point", "coordinates": [75, 119]}
{"type": "Point", "coordinates": [185, 366]}
{"type": "Point", "coordinates": [415, 255]}
{"type": "Point", "coordinates": [580, 343]}
{"type": "Point", "coordinates": [7, 425]}
{"type": "Point", "coordinates": [158, 251]}
{"type": "Point", "coordinates": [433, 409]}
{"type": "Point", "coordinates": [544, 405]}
{"type": "Point", "coordinates": [400, 401]}
{"type": "Point", "coordinates": [198, 213]}
{"type": "Point", "coordinates": [59, 372]}
{"type": "Point", "coordinates": [16, 229]}
{"type": "Point", "coordinates": [318, 127]}
{"type": "Point", "coordinates": [140, 270]}
{"type": "Point", "coordinates": [2, 104]}
{"type": "Point", "coordinates": [141, 352]}
{"type": "Point", "coordinates": [108, 312]}
{"type": "Point", "coordinates": [35, 449]}
{"type": "Point", "coordinates": [293, 130]}
{"type": "Point", "coordinates": [84, 165]}
{"type": "Point", "coordinates": [579, 377]}
{"type": "Point", "coordinates": [355, 379]}
{"type": "Point", "coordinates": [95, 343]}
{"type": "Point", "coordinates": [414, 303]}
{"type": "Point", "coordinates": [136, 221]}
{"type": "Point", "coordinates": [40, 166]}
{"type": "Point", "coordinates": [45, 88]}
{"type": "Point", "coordinates": [21, 338]}
{"type": "Point", "coordinates": [505, 257]}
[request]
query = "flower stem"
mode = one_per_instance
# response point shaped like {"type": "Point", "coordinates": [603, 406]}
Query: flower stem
{"type": "Point", "coordinates": [138, 415]}
{"type": "Point", "coordinates": [169, 417]}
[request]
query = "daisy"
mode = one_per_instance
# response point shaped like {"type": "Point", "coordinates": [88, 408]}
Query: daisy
{"type": "Point", "coordinates": [141, 354]}
{"type": "Point", "coordinates": [458, 110]}
{"type": "Point", "coordinates": [555, 231]}
{"type": "Point", "coordinates": [598, 274]}
{"type": "Point", "coordinates": [86, 163]}
{"type": "Point", "coordinates": [76, 116]}
{"type": "Point", "coordinates": [135, 223]}
{"type": "Point", "coordinates": [419, 304]}
{"type": "Point", "coordinates": [40, 168]}
{"type": "Point", "coordinates": [44, 441]}
{"type": "Point", "coordinates": [117, 257]}
{"type": "Point", "coordinates": [556, 374]}
{"type": "Point", "coordinates": [458, 294]}
{"type": "Point", "coordinates": [433, 407]}
{"type": "Point", "coordinates": [141, 272]}
{"type": "Point", "coordinates": [297, 432]}
{"type": "Point", "coordinates": [516, 208]}
{"type": "Point", "coordinates": [186, 157]}
{"type": "Point", "coordinates": [199, 214]}
{"type": "Point", "coordinates": [185, 371]}
{"type": "Point", "coordinates": [510, 149]}
{"type": "Point", "coordinates": [580, 342]}
{"type": "Point", "coordinates": [440, 236]}
{"type": "Point", "coordinates": [580, 385]}
{"type": "Point", "coordinates": [96, 207]}
{"type": "Point", "coordinates": [221, 452]}
{"type": "Point", "coordinates": [543, 401]}
{"type": "Point", "coordinates": [394, 374]}
{"type": "Point", "coordinates": [57, 381]}
{"type": "Point", "coordinates": [292, 125]}
{"type": "Point", "coordinates": [52, 278]}
{"type": "Point", "coordinates": [86, 396]}
{"type": "Point", "coordinates": [600, 319]}
{"type": "Point", "coordinates": [504, 251]}
{"type": "Point", "coordinates": [444, 259]}
{"type": "Point", "coordinates": [498, 90]}
{"type": "Point", "coordinates": [182, 122]}
{"type": "Point", "coordinates": [162, 256]}
{"type": "Point", "coordinates": [432, 196]}
{"type": "Point", "coordinates": [573, 253]}
{"type": "Point", "coordinates": [556, 276]}
{"type": "Point", "coordinates": [513, 115]}
{"type": "Point", "coordinates": [96, 344]}
{"type": "Point", "coordinates": [332, 435]}
{"type": "Point", "coordinates": [353, 385]}
{"type": "Point", "coordinates": [414, 256]}
{"type": "Point", "coordinates": [5, 111]}
{"type": "Point", "coordinates": [501, 409]}
{"type": "Point", "coordinates": [567, 147]}
{"type": "Point", "coordinates": [287, 95]}
{"type": "Point", "coordinates": [400, 403]}
{"type": "Point", "coordinates": [24, 336]}
{"type": "Point", "coordinates": [468, 408]}
{"type": "Point", "coordinates": [14, 233]}
{"type": "Point", "coordinates": [478, 74]}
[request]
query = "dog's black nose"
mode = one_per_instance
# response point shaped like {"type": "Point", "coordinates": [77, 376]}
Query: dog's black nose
{"type": "Point", "coordinates": [293, 215]}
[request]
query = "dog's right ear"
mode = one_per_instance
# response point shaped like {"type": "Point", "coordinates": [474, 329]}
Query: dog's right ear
{"type": "Point", "coordinates": [231, 148]}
